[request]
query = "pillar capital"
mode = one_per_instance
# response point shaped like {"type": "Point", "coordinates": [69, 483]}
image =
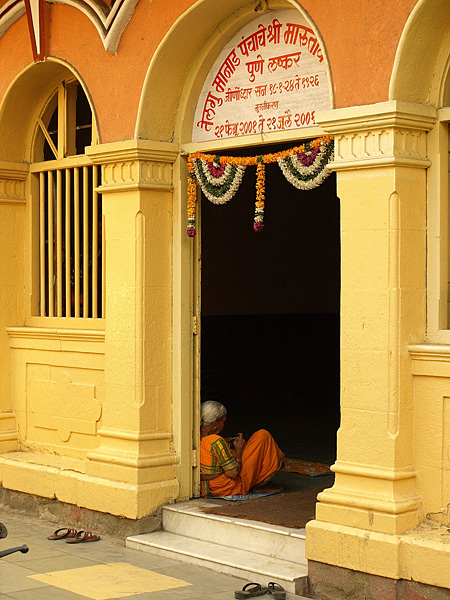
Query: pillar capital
{"type": "Point", "coordinates": [387, 134]}
{"type": "Point", "coordinates": [134, 164]}
{"type": "Point", "coordinates": [12, 182]}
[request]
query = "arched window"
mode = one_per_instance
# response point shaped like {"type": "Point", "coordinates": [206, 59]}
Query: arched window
{"type": "Point", "coordinates": [68, 275]}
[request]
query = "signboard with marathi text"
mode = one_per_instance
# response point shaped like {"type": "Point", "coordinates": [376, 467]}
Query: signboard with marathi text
{"type": "Point", "coordinates": [271, 76]}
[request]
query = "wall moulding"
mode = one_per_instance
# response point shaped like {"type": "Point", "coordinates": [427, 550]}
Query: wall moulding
{"type": "Point", "coordinates": [9, 435]}
{"type": "Point", "coordinates": [129, 175]}
{"type": "Point", "coordinates": [347, 468]}
{"type": "Point", "coordinates": [430, 360]}
{"type": "Point", "coordinates": [12, 182]}
{"type": "Point", "coordinates": [380, 135]}
{"type": "Point", "coordinates": [29, 337]}
{"type": "Point", "coordinates": [430, 351]}
{"type": "Point", "coordinates": [135, 164]}
{"type": "Point", "coordinates": [136, 462]}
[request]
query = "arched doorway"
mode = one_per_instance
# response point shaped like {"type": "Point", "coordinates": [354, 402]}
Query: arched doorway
{"type": "Point", "coordinates": [265, 308]}
{"type": "Point", "coordinates": [173, 120]}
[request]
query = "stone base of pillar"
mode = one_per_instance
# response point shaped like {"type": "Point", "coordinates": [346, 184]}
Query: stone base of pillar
{"type": "Point", "coordinates": [61, 514]}
{"type": "Point", "coordinates": [66, 480]}
{"type": "Point", "coordinates": [328, 582]}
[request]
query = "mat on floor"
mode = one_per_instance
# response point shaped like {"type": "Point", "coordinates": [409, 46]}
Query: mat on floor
{"type": "Point", "coordinates": [305, 467]}
{"type": "Point", "coordinates": [249, 496]}
{"type": "Point", "coordinates": [291, 510]}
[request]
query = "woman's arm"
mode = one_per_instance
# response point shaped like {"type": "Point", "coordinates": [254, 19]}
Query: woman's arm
{"type": "Point", "coordinates": [239, 445]}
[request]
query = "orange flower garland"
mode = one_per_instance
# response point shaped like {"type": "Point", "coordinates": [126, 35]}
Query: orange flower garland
{"type": "Point", "coordinates": [259, 161]}
{"type": "Point", "coordinates": [192, 198]}
{"type": "Point", "coordinates": [258, 221]}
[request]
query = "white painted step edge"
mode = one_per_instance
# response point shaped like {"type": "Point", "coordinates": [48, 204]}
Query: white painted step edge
{"type": "Point", "coordinates": [271, 542]}
{"type": "Point", "coordinates": [291, 586]}
{"type": "Point", "coordinates": [280, 530]}
{"type": "Point", "coordinates": [198, 552]}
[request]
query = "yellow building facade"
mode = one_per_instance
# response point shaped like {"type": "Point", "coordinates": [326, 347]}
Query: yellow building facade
{"type": "Point", "coordinates": [100, 353]}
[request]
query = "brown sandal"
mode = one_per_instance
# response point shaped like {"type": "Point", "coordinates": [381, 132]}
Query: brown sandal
{"type": "Point", "coordinates": [84, 536]}
{"type": "Point", "coordinates": [63, 533]}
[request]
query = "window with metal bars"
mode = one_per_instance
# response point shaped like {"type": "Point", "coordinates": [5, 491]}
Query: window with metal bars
{"type": "Point", "coordinates": [71, 253]}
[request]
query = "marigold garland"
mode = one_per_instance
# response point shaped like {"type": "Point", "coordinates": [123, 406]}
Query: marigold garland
{"type": "Point", "coordinates": [192, 198]}
{"type": "Point", "coordinates": [307, 170]}
{"type": "Point", "coordinates": [258, 221]}
{"type": "Point", "coordinates": [304, 166]}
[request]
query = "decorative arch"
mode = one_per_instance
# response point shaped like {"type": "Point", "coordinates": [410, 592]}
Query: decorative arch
{"type": "Point", "coordinates": [110, 21]}
{"type": "Point", "coordinates": [422, 59]}
{"type": "Point", "coordinates": [208, 25]}
{"type": "Point", "coordinates": [24, 102]}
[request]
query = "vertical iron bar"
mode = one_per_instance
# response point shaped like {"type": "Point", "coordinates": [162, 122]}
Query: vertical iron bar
{"type": "Point", "coordinates": [103, 267]}
{"type": "Point", "coordinates": [76, 200]}
{"type": "Point", "coordinates": [59, 269]}
{"type": "Point", "coordinates": [50, 242]}
{"type": "Point", "coordinates": [94, 241]}
{"type": "Point", "coordinates": [68, 253]}
{"type": "Point", "coordinates": [85, 242]}
{"type": "Point", "coordinates": [42, 283]}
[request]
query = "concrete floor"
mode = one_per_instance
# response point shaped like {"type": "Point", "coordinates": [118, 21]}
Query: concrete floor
{"type": "Point", "coordinates": [101, 570]}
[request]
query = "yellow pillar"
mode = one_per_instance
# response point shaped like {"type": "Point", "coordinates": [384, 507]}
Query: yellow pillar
{"type": "Point", "coordinates": [136, 452]}
{"type": "Point", "coordinates": [12, 240]}
{"type": "Point", "coordinates": [380, 158]}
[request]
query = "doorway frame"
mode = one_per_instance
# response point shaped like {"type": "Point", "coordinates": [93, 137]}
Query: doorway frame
{"type": "Point", "coordinates": [229, 144]}
{"type": "Point", "coordinates": [212, 31]}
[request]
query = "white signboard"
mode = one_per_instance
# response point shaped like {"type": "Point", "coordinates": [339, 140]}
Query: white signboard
{"type": "Point", "coordinates": [271, 76]}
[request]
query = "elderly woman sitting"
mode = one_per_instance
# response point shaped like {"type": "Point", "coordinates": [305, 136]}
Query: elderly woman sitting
{"type": "Point", "coordinates": [247, 467]}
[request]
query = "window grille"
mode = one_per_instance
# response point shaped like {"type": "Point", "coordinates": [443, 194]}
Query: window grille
{"type": "Point", "coordinates": [71, 243]}
{"type": "Point", "coordinates": [71, 239]}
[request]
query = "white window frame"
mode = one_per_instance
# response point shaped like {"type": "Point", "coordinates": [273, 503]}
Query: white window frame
{"type": "Point", "coordinates": [438, 231]}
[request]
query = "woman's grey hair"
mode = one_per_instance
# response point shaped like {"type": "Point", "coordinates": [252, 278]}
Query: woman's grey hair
{"type": "Point", "coordinates": [210, 411]}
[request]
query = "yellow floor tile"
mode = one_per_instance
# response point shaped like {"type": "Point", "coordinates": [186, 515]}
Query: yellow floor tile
{"type": "Point", "coordinates": [113, 580]}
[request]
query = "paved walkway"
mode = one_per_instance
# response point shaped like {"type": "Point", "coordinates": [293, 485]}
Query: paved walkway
{"type": "Point", "coordinates": [101, 570]}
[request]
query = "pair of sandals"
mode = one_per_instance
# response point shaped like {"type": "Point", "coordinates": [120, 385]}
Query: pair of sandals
{"type": "Point", "coordinates": [72, 536]}
{"type": "Point", "coordinates": [251, 590]}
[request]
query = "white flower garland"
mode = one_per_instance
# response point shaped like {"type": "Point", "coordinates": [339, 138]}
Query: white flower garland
{"type": "Point", "coordinates": [219, 181]}
{"type": "Point", "coordinates": [305, 170]}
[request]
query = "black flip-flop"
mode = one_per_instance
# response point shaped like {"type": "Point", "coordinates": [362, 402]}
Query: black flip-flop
{"type": "Point", "coordinates": [251, 590]}
{"type": "Point", "coordinates": [276, 590]}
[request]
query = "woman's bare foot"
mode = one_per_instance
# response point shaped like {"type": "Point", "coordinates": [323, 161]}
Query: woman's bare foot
{"type": "Point", "coordinates": [267, 487]}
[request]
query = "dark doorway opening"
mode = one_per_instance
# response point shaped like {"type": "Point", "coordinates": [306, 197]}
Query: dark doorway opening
{"type": "Point", "coordinates": [270, 312]}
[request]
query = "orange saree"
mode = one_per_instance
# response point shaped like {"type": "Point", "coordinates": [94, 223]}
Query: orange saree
{"type": "Point", "coordinates": [261, 459]}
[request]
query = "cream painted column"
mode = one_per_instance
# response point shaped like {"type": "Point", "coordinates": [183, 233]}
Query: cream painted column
{"type": "Point", "coordinates": [12, 241]}
{"type": "Point", "coordinates": [381, 162]}
{"type": "Point", "coordinates": [136, 449]}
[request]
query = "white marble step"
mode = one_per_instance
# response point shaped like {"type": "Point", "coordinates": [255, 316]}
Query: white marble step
{"type": "Point", "coordinates": [222, 559]}
{"type": "Point", "coordinates": [274, 541]}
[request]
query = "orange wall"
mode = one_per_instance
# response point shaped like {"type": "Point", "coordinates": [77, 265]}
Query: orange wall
{"type": "Point", "coordinates": [361, 38]}
{"type": "Point", "coordinates": [15, 53]}
{"type": "Point", "coordinates": [114, 81]}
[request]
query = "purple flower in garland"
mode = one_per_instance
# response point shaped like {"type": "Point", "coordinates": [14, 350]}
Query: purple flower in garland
{"type": "Point", "coordinates": [258, 226]}
{"type": "Point", "coordinates": [216, 171]}
{"type": "Point", "coordinates": [307, 159]}
{"type": "Point", "coordinates": [307, 170]}
{"type": "Point", "coordinates": [219, 182]}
